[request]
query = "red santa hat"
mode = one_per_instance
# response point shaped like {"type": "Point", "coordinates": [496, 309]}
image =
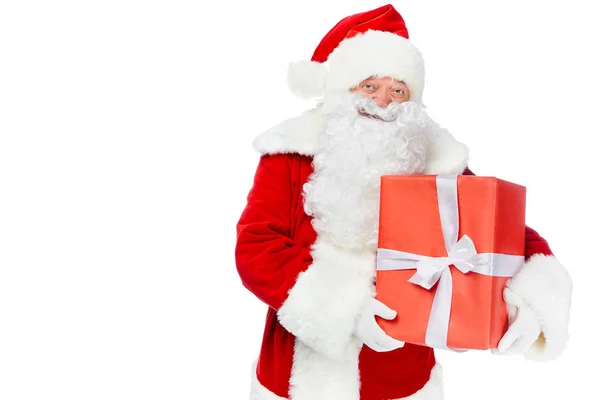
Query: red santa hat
{"type": "Point", "coordinates": [371, 43]}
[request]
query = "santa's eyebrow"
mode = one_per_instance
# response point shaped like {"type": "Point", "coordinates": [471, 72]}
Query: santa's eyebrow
{"type": "Point", "coordinates": [378, 76]}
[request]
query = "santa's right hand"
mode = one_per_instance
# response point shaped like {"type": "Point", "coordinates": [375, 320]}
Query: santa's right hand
{"type": "Point", "coordinates": [370, 333]}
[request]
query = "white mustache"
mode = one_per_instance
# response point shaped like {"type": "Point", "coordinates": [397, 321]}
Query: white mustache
{"type": "Point", "coordinates": [388, 114]}
{"type": "Point", "coordinates": [355, 103]}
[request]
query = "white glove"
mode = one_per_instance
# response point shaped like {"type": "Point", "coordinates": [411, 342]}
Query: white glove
{"type": "Point", "coordinates": [523, 329]}
{"type": "Point", "coordinates": [370, 333]}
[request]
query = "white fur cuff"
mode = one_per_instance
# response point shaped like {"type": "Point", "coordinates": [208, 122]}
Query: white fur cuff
{"type": "Point", "coordinates": [323, 306]}
{"type": "Point", "coordinates": [545, 285]}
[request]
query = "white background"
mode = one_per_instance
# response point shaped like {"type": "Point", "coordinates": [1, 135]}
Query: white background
{"type": "Point", "coordinates": [125, 159]}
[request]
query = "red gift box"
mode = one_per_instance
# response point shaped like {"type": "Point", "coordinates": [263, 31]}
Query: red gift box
{"type": "Point", "coordinates": [447, 246]}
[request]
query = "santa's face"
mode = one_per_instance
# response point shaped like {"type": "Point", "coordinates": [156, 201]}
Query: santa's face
{"type": "Point", "coordinates": [359, 142]}
{"type": "Point", "coordinates": [382, 90]}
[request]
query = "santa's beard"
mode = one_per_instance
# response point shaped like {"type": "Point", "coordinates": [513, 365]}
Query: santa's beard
{"type": "Point", "coordinates": [353, 152]}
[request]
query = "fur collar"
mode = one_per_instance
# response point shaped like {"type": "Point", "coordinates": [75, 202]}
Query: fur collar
{"type": "Point", "coordinates": [299, 135]}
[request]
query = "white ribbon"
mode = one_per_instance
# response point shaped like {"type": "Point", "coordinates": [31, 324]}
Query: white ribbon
{"type": "Point", "coordinates": [461, 253]}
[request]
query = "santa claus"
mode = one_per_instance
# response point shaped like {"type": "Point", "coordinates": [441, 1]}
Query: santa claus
{"type": "Point", "coordinates": [307, 238]}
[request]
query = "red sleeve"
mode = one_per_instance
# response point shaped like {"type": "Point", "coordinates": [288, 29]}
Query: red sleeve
{"type": "Point", "coordinates": [293, 279]}
{"type": "Point", "coordinates": [535, 244]}
{"type": "Point", "coordinates": [268, 261]}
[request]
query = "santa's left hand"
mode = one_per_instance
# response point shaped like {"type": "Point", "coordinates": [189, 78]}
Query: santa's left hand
{"type": "Point", "coordinates": [524, 328]}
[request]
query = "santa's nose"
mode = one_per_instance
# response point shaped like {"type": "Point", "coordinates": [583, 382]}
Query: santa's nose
{"type": "Point", "coordinates": [382, 99]}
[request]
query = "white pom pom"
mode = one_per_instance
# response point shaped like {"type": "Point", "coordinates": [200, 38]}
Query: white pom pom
{"type": "Point", "coordinates": [307, 78]}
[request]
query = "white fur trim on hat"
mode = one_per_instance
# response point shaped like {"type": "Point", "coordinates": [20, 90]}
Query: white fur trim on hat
{"type": "Point", "coordinates": [373, 53]}
{"type": "Point", "coordinates": [307, 78]}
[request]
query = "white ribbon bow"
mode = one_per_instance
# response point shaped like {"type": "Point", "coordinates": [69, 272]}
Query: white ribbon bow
{"type": "Point", "coordinates": [462, 256]}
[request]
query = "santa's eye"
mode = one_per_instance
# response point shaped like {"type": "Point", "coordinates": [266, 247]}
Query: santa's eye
{"type": "Point", "coordinates": [399, 92]}
{"type": "Point", "coordinates": [368, 86]}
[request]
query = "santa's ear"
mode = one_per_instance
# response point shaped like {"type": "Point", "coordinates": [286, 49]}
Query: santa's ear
{"type": "Point", "coordinates": [307, 78]}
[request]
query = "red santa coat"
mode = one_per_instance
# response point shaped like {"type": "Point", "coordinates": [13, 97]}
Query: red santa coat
{"type": "Point", "coordinates": [308, 349]}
